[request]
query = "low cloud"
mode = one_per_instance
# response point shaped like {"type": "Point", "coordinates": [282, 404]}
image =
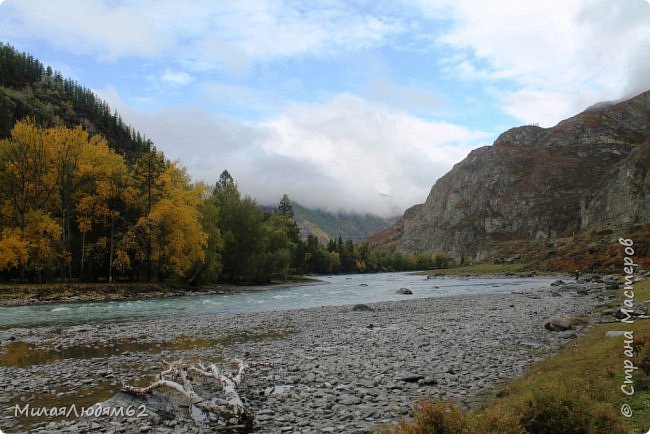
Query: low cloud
{"type": "Point", "coordinates": [343, 155]}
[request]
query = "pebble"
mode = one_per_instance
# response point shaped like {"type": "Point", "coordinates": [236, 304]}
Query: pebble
{"type": "Point", "coordinates": [322, 370]}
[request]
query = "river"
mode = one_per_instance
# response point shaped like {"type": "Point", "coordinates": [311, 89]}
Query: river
{"type": "Point", "coordinates": [334, 290]}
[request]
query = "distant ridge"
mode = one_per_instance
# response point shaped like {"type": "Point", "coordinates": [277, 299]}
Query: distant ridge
{"type": "Point", "coordinates": [326, 225]}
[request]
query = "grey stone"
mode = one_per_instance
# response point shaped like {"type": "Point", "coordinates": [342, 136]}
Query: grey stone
{"type": "Point", "coordinates": [613, 333]}
{"type": "Point", "coordinates": [557, 324]}
{"type": "Point", "coordinates": [346, 399]}
{"type": "Point", "coordinates": [410, 378]}
{"type": "Point", "coordinates": [568, 334]}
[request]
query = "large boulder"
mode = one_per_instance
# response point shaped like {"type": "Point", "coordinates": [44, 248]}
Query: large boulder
{"type": "Point", "coordinates": [558, 324]}
{"type": "Point", "coordinates": [405, 291]}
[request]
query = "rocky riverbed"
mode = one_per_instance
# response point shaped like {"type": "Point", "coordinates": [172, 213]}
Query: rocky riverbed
{"type": "Point", "coordinates": [328, 369]}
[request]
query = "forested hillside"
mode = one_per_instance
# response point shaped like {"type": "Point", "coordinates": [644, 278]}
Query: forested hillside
{"type": "Point", "coordinates": [84, 197]}
{"type": "Point", "coordinates": [326, 225]}
{"type": "Point", "coordinates": [28, 88]}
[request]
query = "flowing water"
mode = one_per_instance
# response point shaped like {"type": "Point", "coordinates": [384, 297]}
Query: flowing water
{"type": "Point", "coordinates": [334, 290]}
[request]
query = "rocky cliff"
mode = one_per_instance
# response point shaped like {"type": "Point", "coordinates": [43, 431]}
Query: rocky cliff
{"type": "Point", "coordinates": [536, 182]}
{"type": "Point", "coordinates": [623, 197]}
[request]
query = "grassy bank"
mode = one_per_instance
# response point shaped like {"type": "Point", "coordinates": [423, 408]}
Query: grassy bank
{"type": "Point", "coordinates": [576, 391]}
{"type": "Point", "coordinates": [483, 268]}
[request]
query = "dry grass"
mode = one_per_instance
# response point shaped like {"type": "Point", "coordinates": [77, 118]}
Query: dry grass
{"type": "Point", "coordinates": [576, 391]}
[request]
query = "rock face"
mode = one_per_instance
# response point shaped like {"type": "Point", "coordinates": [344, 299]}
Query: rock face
{"type": "Point", "coordinates": [623, 195]}
{"type": "Point", "coordinates": [535, 183]}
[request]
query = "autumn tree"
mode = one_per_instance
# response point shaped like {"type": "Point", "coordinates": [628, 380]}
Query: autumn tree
{"type": "Point", "coordinates": [179, 239]}
{"type": "Point", "coordinates": [68, 145]}
{"type": "Point", "coordinates": [28, 177]}
{"type": "Point", "coordinates": [13, 249]}
{"type": "Point", "coordinates": [28, 192]}
{"type": "Point", "coordinates": [105, 192]}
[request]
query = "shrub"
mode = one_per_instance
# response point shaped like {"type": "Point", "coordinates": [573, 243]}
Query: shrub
{"type": "Point", "coordinates": [437, 417]}
{"type": "Point", "coordinates": [563, 410]}
{"type": "Point", "coordinates": [499, 422]}
{"type": "Point", "coordinates": [642, 353]}
{"type": "Point", "coordinates": [642, 361]}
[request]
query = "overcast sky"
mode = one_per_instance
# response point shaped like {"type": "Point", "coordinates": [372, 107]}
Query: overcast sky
{"type": "Point", "coordinates": [352, 105]}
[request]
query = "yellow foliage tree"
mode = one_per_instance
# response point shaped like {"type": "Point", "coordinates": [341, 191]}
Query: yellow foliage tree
{"type": "Point", "coordinates": [105, 190]}
{"type": "Point", "coordinates": [178, 236]}
{"type": "Point", "coordinates": [28, 194]}
{"type": "Point", "coordinates": [60, 186]}
{"type": "Point", "coordinates": [41, 234]}
{"type": "Point", "coordinates": [28, 178]}
{"type": "Point", "coordinates": [68, 145]}
{"type": "Point", "coordinates": [13, 250]}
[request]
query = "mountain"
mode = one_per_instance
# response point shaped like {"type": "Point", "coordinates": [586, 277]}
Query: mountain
{"type": "Point", "coordinates": [30, 89]}
{"type": "Point", "coordinates": [623, 196]}
{"type": "Point", "coordinates": [326, 225]}
{"type": "Point", "coordinates": [584, 174]}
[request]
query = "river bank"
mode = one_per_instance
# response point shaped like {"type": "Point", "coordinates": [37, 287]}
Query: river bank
{"type": "Point", "coordinates": [327, 369]}
{"type": "Point", "coordinates": [25, 294]}
{"type": "Point", "coordinates": [32, 294]}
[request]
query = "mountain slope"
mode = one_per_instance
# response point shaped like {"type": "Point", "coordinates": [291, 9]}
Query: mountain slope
{"type": "Point", "coordinates": [531, 183]}
{"type": "Point", "coordinates": [30, 89]}
{"type": "Point", "coordinates": [623, 196]}
{"type": "Point", "coordinates": [326, 225]}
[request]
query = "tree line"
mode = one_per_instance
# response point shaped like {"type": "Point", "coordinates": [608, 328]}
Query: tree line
{"type": "Point", "coordinates": [28, 88]}
{"type": "Point", "coordinates": [73, 209]}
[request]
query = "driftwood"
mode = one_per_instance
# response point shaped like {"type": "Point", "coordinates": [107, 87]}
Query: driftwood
{"type": "Point", "coordinates": [178, 376]}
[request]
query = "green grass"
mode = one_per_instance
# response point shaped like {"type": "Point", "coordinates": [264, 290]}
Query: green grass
{"type": "Point", "coordinates": [484, 268]}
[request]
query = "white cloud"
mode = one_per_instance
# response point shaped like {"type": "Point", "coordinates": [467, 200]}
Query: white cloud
{"type": "Point", "coordinates": [539, 62]}
{"type": "Point", "coordinates": [382, 158]}
{"type": "Point", "coordinates": [408, 98]}
{"type": "Point", "coordinates": [233, 95]}
{"type": "Point", "coordinates": [176, 78]}
{"type": "Point", "coordinates": [199, 34]}
{"type": "Point", "coordinates": [84, 26]}
{"type": "Point", "coordinates": [344, 154]}
{"type": "Point", "coordinates": [551, 59]}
